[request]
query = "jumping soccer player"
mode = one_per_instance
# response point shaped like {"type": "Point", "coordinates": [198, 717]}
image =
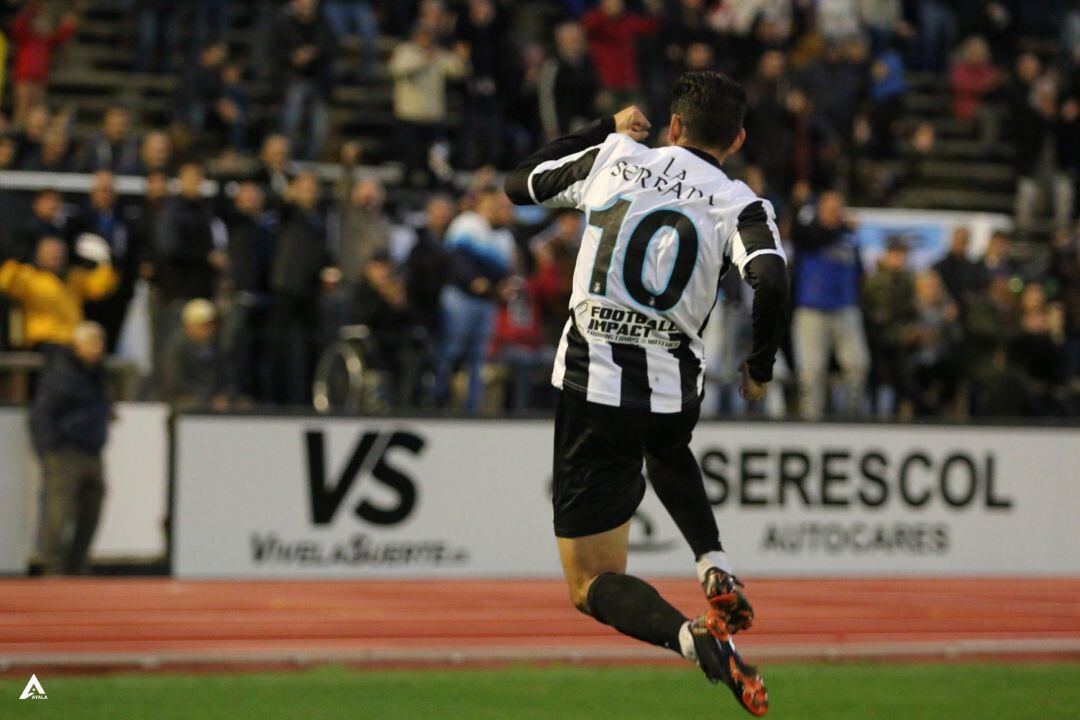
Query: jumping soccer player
{"type": "Point", "coordinates": [664, 225]}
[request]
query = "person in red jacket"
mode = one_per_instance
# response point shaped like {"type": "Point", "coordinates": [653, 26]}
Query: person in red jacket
{"type": "Point", "coordinates": [36, 36]}
{"type": "Point", "coordinates": [613, 34]}
{"type": "Point", "coordinates": [973, 76]}
{"type": "Point", "coordinates": [519, 341]}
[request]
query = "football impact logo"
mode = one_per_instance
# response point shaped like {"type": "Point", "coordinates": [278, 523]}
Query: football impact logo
{"type": "Point", "coordinates": [33, 690]}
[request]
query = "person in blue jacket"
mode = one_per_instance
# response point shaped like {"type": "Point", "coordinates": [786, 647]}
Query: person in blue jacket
{"type": "Point", "coordinates": [827, 319]}
{"type": "Point", "coordinates": [480, 256]}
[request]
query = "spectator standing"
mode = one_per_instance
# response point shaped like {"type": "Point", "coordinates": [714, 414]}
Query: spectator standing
{"type": "Point", "coordinates": [1046, 135]}
{"type": "Point", "coordinates": [837, 19]}
{"type": "Point", "coordinates": [494, 69]}
{"type": "Point", "coordinates": [887, 90]}
{"type": "Point", "coordinates": [997, 261]}
{"type": "Point", "coordinates": [613, 34]}
{"type": "Point", "coordinates": [481, 252]}
{"type": "Point", "coordinates": [889, 307]}
{"type": "Point", "coordinates": [363, 227]}
{"type": "Point", "coordinates": [102, 217]}
{"type": "Point", "coordinates": [934, 376]}
{"type": "Point", "coordinates": [556, 250]}
{"type": "Point", "coordinates": [55, 154]}
{"type": "Point", "coordinates": [252, 239]}
{"type": "Point", "coordinates": [420, 69]}
{"type": "Point", "coordinates": [835, 85]}
{"type": "Point", "coordinates": [9, 210]}
{"type": "Point", "coordinates": [191, 255]}
{"type": "Point", "coordinates": [519, 342]}
{"type": "Point", "coordinates": [148, 223]}
{"type": "Point", "coordinates": [961, 276]}
{"type": "Point", "coordinates": [69, 425]}
{"type": "Point", "coordinates": [231, 115]}
{"type": "Point", "coordinates": [355, 28]}
{"type": "Point", "coordinates": [47, 219]}
{"type": "Point", "coordinates": [884, 22]}
{"type": "Point", "coordinates": [937, 32]}
{"type": "Point", "coordinates": [768, 114]}
{"type": "Point", "coordinates": [300, 258]}
{"type": "Point", "coordinates": [210, 20]}
{"type": "Point", "coordinates": [381, 304]}
{"type": "Point", "coordinates": [991, 321]}
{"type": "Point", "coordinates": [974, 78]}
{"type": "Point", "coordinates": [1068, 273]}
{"type": "Point", "coordinates": [568, 83]}
{"type": "Point", "coordinates": [155, 154]}
{"type": "Point", "coordinates": [1036, 352]}
{"type": "Point", "coordinates": [37, 34]}
{"type": "Point", "coordinates": [306, 44]}
{"type": "Point", "coordinates": [273, 171]}
{"type": "Point", "coordinates": [52, 292]}
{"type": "Point", "coordinates": [113, 148]}
{"type": "Point", "coordinates": [31, 134]}
{"type": "Point", "coordinates": [6, 9]}
{"type": "Point", "coordinates": [426, 265]}
{"type": "Point", "coordinates": [203, 96]}
{"type": "Point", "coordinates": [363, 232]}
{"type": "Point", "coordinates": [194, 369]}
{"type": "Point", "coordinates": [158, 34]}
{"type": "Point", "coordinates": [827, 278]}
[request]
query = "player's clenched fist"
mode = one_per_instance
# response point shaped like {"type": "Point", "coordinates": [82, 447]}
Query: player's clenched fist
{"type": "Point", "coordinates": [632, 122]}
{"type": "Point", "coordinates": [750, 389]}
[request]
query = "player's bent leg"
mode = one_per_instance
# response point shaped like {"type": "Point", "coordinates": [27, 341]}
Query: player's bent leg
{"type": "Point", "coordinates": [586, 558]}
{"type": "Point", "coordinates": [594, 567]}
{"type": "Point", "coordinates": [676, 477]}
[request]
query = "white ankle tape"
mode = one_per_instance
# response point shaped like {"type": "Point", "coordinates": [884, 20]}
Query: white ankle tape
{"type": "Point", "coordinates": [710, 560]}
{"type": "Point", "coordinates": [686, 643]}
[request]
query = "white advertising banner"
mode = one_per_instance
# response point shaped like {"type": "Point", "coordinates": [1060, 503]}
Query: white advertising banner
{"type": "Point", "coordinates": [15, 475]}
{"type": "Point", "coordinates": [136, 487]}
{"type": "Point", "coordinates": [334, 497]}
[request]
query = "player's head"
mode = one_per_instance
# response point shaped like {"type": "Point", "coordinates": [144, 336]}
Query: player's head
{"type": "Point", "coordinates": [707, 111]}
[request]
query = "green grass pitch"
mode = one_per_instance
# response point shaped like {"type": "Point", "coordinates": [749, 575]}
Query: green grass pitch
{"type": "Point", "coordinates": [1002, 691]}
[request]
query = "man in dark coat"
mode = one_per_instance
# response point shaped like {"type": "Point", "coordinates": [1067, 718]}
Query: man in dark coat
{"type": "Point", "coordinates": [103, 217]}
{"type": "Point", "coordinates": [69, 425]}
{"type": "Point", "coordinates": [296, 277]}
{"type": "Point", "coordinates": [191, 254]}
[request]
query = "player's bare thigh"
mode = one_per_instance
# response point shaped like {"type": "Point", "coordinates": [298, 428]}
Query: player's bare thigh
{"type": "Point", "coordinates": [584, 558]}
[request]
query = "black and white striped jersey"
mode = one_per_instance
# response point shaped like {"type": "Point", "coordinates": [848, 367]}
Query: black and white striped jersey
{"type": "Point", "coordinates": [663, 225]}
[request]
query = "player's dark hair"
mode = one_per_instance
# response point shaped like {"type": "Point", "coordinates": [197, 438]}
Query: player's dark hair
{"type": "Point", "coordinates": [711, 106]}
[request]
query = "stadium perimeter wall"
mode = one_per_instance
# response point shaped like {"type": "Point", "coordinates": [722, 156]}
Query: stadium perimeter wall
{"type": "Point", "coordinates": [280, 496]}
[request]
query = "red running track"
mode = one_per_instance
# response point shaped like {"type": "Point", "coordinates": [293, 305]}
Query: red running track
{"type": "Point", "coordinates": [154, 622]}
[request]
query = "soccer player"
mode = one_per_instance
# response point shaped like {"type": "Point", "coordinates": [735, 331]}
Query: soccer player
{"type": "Point", "coordinates": [664, 225]}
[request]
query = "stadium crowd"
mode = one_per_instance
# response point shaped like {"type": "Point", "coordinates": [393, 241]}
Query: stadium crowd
{"type": "Point", "coordinates": [252, 281]}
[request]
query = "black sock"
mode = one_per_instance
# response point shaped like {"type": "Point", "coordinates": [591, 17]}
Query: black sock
{"type": "Point", "coordinates": [676, 479]}
{"type": "Point", "coordinates": [634, 608]}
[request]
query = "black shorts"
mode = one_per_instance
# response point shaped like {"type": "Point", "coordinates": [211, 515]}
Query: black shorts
{"type": "Point", "coordinates": [599, 451]}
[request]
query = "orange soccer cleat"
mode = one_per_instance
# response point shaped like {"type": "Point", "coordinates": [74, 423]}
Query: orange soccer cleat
{"type": "Point", "coordinates": [718, 659]}
{"type": "Point", "coordinates": [726, 599]}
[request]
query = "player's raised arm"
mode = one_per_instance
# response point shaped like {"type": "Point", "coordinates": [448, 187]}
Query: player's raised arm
{"type": "Point", "coordinates": [554, 175]}
{"type": "Point", "coordinates": [760, 258]}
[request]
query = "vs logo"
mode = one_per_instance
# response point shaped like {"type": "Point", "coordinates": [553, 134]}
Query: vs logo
{"type": "Point", "coordinates": [370, 456]}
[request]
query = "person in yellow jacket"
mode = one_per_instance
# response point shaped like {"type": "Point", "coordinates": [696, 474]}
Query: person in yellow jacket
{"type": "Point", "coordinates": [52, 294]}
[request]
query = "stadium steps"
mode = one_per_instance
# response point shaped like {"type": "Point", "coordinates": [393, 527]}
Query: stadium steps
{"type": "Point", "coordinates": [96, 71]}
{"type": "Point", "coordinates": [968, 172]}
{"type": "Point", "coordinates": [932, 198]}
{"type": "Point", "coordinates": [962, 172]}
